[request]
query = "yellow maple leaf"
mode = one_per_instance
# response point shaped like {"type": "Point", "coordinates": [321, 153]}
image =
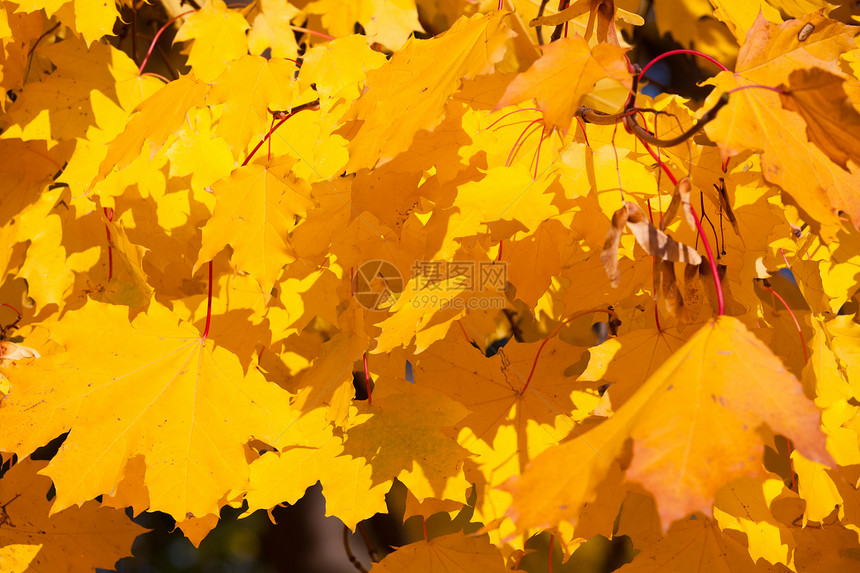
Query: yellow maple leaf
{"type": "Point", "coordinates": [95, 86]}
{"type": "Point", "coordinates": [46, 269]}
{"type": "Point", "coordinates": [696, 546]}
{"type": "Point", "coordinates": [676, 447]}
{"type": "Point", "coordinates": [692, 24]}
{"type": "Point", "coordinates": [389, 22]}
{"type": "Point", "coordinates": [740, 17]}
{"type": "Point", "coordinates": [534, 260]}
{"type": "Point", "coordinates": [339, 66]}
{"type": "Point", "coordinates": [248, 88]}
{"type": "Point", "coordinates": [315, 454]}
{"type": "Point", "coordinates": [196, 152]}
{"type": "Point", "coordinates": [832, 122]}
{"type": "Point", "coordinates": [154, 121]}
{"type": "Point", "coordinates": [445, 555]}
{"type": "Point", "coordinates": [92, 19]}
{"type": "Point", "coordinates": [255, 209]}
{"type": "Point", "coordinates": [568, 70]}
{"type": "Point", "coordinates": [754, 118]}
{"type": "Point", "coordinates": [31, 540]}
{"type": "Point", "coordinates": [409, 92]}
{"type": "Point", "coordinates": [397, 444]}
{"type": "Point", "coordinates": [217, 36]}
{"type": "Point", "coordinates": [152, 388]}
{"type": "Point", "coordinates": [270, 29]}
{"type": "Point", "coordinates": [744, 505]}
{"type": "Point", "coordinates": [18, 32]}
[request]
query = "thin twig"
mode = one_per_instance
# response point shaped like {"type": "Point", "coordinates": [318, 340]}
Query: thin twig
{"type": "Point", "coordinates": [355, 562]}
{"type": "Point", "coordinates": [32, 50]}
{"type": "Point", "coordinates": [368, 542]}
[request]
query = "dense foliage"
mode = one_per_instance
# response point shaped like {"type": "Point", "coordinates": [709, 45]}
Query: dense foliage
{"type": "Point", "coordinates": [452, 244]}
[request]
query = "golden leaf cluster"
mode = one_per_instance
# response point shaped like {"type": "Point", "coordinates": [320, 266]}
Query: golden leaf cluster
{"type": "Point", "coordinates": [354, 243]}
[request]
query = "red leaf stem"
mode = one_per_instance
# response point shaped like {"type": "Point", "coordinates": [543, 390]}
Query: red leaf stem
{"type": "Point", "coordinates": [158, 35]}
{"type": "Point", "coordinates": [208, 306]}
{"type": "Point", "coordinates": [773, 293]}
{"type": "Point", "coordinates": [18, 312]}
{"type": "Point", "coordinates": [512, 113]}
{"type": "Point", "coordinates": [312, 32]}
{"type": "Point", "coordinates": [721, 303]}
{"type": "Point", "coordinates": [517, 142]}
{"type": "Point", "coordinates": [549, 557]}
{"type": "Point", "coordinates": [109, 214]}
{"type": "Point", "coordinates": [367, 381]}
{"type": "Point", "coordinates": [691, 52]}
{"type": "Point", "coordinates": [554, 332]}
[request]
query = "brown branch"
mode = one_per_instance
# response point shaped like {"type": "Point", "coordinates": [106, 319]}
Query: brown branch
{"type": "Point", "coordinates": [628, 117]}
{"type": "Point", "coordinates": [371, 548]}
{"type": "Point", "coordinates": [352, 559]}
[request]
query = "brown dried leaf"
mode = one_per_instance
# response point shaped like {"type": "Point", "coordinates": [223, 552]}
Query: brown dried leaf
{"type": "Point", "coordinates": [681, 196]}
{"type": "Point", "coordinates": [692, 292]}
{"type": "Point", "coordinates": [580, 7]}
{"type": "Point", "coordinates": [656, 242]}
{"type": "Point", "coordinates": [707, 281]}
{"type": "Point", "coordinates": [609, 256]}
{"type": "Point", "coordinates": [12, 351]}
{"type": "Point", "coordinates": [666, 286]}
{"type": "Point", "coordinates": [727, 207]}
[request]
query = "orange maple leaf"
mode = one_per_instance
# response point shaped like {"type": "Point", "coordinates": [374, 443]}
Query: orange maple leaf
{"type": "Point", "coordinates": [568, 70]}
{"type": "Point", "coordinates": [687, 421]}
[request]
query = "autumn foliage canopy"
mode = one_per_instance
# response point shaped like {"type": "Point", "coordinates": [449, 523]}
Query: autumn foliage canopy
{"type": "Point", "coordinates": [298, 260]}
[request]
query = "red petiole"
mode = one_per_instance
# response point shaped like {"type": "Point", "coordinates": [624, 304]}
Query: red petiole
{"type": "Point", "coordinates": [551, 544]}
{"type": "Point", "coordinates": [654, 268]}
{"type": "Point", "coordinates": [109, 214]}
{"type": "Point", "coordinates": [553, 333]}
{"type": "Point", "coordinates": [773, 293]}
{"type": "Point", "coordinates": [284, 117]}
{"type": "Point", "coordinates": [691, 52]}
{"type": "Point", "coordinates": [208, 306]}
{"type": "Point", "coordinates": [158, 35]}
{"type": "Point", "coordinates": [721, 303]}
{"type": "Point", "coordinates": [367, 381]}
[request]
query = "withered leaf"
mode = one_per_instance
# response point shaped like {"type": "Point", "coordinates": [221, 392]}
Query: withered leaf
{"type": "Point", "coordinates": [666, 286]}
{"type": "Point", "coordinates": [609, 256]}
{"type": "Point", "coordinates": [12, 351]}
{"type": "Point", "coordinates": [656, 242]}
{"type": "Point", "coordinates": [681, 196]}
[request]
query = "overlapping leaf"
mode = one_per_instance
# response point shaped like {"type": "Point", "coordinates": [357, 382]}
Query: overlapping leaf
{"type": "Point", "coordinates": [153, 388]}
{"type": "Point", "coordinates": [567, 71]}
{"type": "Point", "coordinates": [754, 117]}
{"type": "Point", "coordinates": [694, 411]}
{"type": "Point", "coordinates": [406, 159]}
{"type": "Point", "coordinates": [255, 209]}
{"type": "Point", "coordinates": [410, 92]}
{"type": "Point", "coordinates": [78, 539]}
